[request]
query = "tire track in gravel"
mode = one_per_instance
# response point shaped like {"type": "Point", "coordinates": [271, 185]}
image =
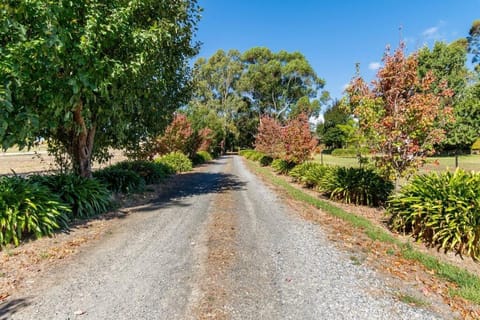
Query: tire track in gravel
{"type": "Point", "coordinates": [213, 282]}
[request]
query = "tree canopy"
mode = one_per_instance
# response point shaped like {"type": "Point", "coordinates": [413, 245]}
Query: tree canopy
{"type": "Point", "coordinates": [88, 75]}
{"type": "Point", "coordinates": [242, 87]}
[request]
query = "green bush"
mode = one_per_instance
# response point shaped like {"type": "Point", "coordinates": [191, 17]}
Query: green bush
{"type": "Point", "coordinates": [28, 208]}
{"type": "Point", "coordinates": [176, 161]}
{"type": "Point", "coordinates": [120, 180]}
{"type": "Point", "coordinates": [151, 172]}
{"type": "Point", "coordinates": [356, 185]}
{"type": "Point", "coordinates": [202, 157]}
{"type": "Point", "coordinates": [442, 209]}
{"type": "Point", "coordinates": [87, 197]}
{"type": "Point", "coordinates": [309, 174]}
{"type": "Point", "coordinates": [265, 161]}
{"type": "Point", "coordinates": [349, 152]}
{"type": "Point", "coordinates": [282, 166]}
{"type": "Point", "coordinates": [253, 155]}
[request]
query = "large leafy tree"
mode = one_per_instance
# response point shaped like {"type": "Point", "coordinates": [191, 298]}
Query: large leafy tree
{"type": "Point", "coordinates": [280, 84]}
{"type": "Point", "coordinates": [88, 75]}
{"type": "Point", "coordinates": [400, 114]}
{"type": "Point", "coordinates": [216, 82]}
{"type": "Point", "coordinates": [447, 63]}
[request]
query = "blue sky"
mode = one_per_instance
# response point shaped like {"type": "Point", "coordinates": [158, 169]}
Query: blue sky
{"type": "Point", "coordinates": [333, 35]}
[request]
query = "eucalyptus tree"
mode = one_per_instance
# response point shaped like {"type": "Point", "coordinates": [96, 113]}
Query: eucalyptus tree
{"type": "Point", "coordinates": [279, 84]}
{"type": "Point", "coordinates": [88, 75]}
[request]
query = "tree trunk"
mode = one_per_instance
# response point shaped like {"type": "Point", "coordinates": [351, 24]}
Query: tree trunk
{"type": "Point", "coordinates": [82, 144]}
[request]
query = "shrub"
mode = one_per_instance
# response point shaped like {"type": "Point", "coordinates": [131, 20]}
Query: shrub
{"type": "Point", "coordinates": [151, 172]}
{"type": "Point", "coordinates": [309, 173]}
{"type": "Point", "coordinates": [442, 209]}
{"type": "Point", "coordinates": [202, 157]}
{"type": "Point", "coordinates": [356, 185]}
{"type": "Point", "coordinates": [265, 161]}
{"type": "Point", "coordinates": [87, 197]}
{"type": "Point", "coordinates": [253, 155]}
{"type": "Point", "coordinates": [177, 161]}
{"type": "Point", "coordinates": [28, 208]}
{"type": "Point", "coordinates": [282, 166]}
{"type": "Point", "coordinates": [120, 180]}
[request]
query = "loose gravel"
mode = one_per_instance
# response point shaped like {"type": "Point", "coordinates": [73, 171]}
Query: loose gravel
{"type": "Point", "coordinates": [151, 266]}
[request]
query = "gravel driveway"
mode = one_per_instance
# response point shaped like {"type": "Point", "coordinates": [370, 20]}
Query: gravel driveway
{"type": "Point", "coordinates": [220, 245]}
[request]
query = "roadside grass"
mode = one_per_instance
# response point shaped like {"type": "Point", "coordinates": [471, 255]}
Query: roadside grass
{"type": "Point", "coordinates": [466, 162]}
{"type": "Point", "coordinates": [408, 299]}
{"type": "Point", "coordinates": [468, 283]}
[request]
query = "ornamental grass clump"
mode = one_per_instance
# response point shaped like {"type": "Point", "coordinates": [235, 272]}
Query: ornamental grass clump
{"type": "Point", "coordinates": [27, 208]}
{"type": "Point", "coordinates": [441, 209]}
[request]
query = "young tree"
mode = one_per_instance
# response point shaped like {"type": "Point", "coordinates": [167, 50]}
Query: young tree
{"type": "Point", "coordinates": [88, 75]}
{"type": "Point", "coordinates": [400, 114]}
{"type": "Point", "coordinates": [292, 142]}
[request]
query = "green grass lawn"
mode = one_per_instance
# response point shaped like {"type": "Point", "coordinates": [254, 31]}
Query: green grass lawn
{"type": "Point", "coordinates": [469, 162]}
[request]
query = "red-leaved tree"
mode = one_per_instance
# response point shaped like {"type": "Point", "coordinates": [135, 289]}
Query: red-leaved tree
{"type": "Point", "coordinates": [269, 137]}
{"type": "Point", "coordinates": [399, 113]}
{"type": "Point", "coordinates": [292, 142]}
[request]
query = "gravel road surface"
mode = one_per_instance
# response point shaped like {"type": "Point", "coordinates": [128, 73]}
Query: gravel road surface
{"type": "Point", "coordinates": [221, 245]}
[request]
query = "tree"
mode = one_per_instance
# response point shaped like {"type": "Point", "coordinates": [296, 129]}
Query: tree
{"type": "Point", "coordinates": [88, 75]}
{"type": "Point", "coordinates": [474, 42]}
{"type": "Point", "coordinates": [400, 115]}
{"type": "Point", "coordinates": [292, 142]}
{"type": "Point", "coordinates": [280, 83]}
{"type": "Point", "coordinates": [329, 133]}
{"type": "Point", "coordinates": [216, 88]}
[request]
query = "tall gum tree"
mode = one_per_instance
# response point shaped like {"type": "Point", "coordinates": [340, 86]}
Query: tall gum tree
{"type": "Point", "coordinates": [89, 75]}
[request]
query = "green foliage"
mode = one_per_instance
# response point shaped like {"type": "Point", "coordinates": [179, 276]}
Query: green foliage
{"type": "Point", "coordinates": [87, 197]}
{"type": "Point", "coordinates": [253, 155]}
{"type": "Point", "coordinates": [202, 157]}
{"type": "Point", "coordinates": [27, 208]}
{"type": "Point", "coordinates": [476, 146]}
{"type": "Point", "coordinates": [176, 161]}
{"type": "Point", "coordinates": [350, 152]}
{"type": "Point", "coordinates": [442, 209]}
{"type": "Point", "coordinates": [152, 172]}
{"type": "Point", "coordinates": [310, 174]}
{"type": "Point", "coordinates": [282, 166]}
{"type": "Point", "coordinates": [356, 185]}
{"type": "Point", "coordinates": [120, 180]}
{"type": "Point", "coordinates": [90, 75]}
{"type": "Point", "coordinates": [328, 131]}
{"type": "Point", "coordinates": [266, 161]}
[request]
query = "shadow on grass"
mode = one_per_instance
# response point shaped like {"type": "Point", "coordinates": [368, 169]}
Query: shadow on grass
{"type": "Point", "coordinates": [10, 307]}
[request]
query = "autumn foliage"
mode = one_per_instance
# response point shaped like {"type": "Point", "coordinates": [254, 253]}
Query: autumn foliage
{"type": "Point", "coordinates": [399, 113]}
{"type": "Point", "coordinates": [292, 142]}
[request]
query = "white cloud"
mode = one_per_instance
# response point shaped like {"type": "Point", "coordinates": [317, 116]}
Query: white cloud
{"type": "Point", "coordinates": [430, 32]}
{"type": "Point", "coordinates": [345, 86]}
{"type": "Point", "coordinates": [374, 66]}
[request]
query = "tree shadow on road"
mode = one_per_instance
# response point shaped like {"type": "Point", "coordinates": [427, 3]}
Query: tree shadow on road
{"type": "Point", "coordinates": [10, 307]}
{"type": "Point", "coordinates": [191, 185]}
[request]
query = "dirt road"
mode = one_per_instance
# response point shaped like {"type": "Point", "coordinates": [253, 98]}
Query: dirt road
{"type": "Point", "coordinates": [221, 245]}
